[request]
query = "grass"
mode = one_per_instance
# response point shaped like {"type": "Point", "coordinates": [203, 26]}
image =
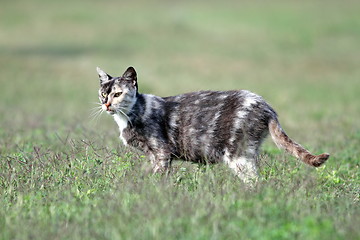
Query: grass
{"type": "Point", "coordinates": [64, 175]}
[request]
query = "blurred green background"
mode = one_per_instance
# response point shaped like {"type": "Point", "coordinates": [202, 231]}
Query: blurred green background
{"type": "Point", "coordinates": [297, 55]}
{"type": "Point", "coordinates": [303, 57]}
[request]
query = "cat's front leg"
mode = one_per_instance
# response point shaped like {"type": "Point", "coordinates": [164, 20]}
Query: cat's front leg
{"type": "Point", "coordinates": [160, 163]}
{"type": "Point", "coordinates": [162, 166]}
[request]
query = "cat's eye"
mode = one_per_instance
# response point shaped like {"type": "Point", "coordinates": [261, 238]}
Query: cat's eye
{"type": "Point", "coordinates": [104, 94]}
{"type": "Point", "coordinates": [117, 94]}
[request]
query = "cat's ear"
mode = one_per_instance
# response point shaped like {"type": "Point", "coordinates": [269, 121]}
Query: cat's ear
{"type": "Point", "coordinates": [103, 76]}
{"type": "Point", "coordinates": [130, 74]}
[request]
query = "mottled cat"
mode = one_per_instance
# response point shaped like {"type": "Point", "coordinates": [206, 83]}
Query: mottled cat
{"type": "Point", "coordinates": [204, 126]}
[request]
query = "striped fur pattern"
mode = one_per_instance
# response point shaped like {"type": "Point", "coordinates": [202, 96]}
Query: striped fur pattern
{"type": "Point", "coordinates": [205, 126]}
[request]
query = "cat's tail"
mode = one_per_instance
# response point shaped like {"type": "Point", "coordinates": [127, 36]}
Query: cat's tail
{"type": "Point", "coordinates": [283, 141]}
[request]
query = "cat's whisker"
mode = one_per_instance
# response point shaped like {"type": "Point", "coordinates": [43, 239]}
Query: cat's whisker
{"type": "Point", "coordinates": [96, 113]}
{"type": "Point", "coordinates": [97, 103]}
{"type": "Point", "coordinates": [97, 117]}
{"type": "Point", "coordinates": [125, 115]}
{"type": "Point", "coordinates": [95, 109]}
{"type": "Point", "coordinates": [132, 112]}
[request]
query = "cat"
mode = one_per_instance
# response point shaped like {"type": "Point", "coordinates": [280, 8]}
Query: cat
{"type": "Point", "coordinates": [202, 127]}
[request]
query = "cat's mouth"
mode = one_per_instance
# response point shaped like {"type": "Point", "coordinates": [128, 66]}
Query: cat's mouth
{"type": "Point", "coordinates": [108, 109]}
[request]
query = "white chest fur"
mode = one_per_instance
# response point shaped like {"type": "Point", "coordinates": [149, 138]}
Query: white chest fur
{"type": "Point", "coordinates": [122, 122]}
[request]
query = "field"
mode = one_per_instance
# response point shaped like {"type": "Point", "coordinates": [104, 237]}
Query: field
{"type": "Point", "coordinates": [64, 173]}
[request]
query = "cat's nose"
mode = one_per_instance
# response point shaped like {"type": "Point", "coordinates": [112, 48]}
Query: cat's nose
{"type": "Point", "coordinates": [107, 105]}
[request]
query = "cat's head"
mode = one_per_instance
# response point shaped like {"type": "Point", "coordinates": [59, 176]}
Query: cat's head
{"type": "Point", "coordinates": [118, 94]}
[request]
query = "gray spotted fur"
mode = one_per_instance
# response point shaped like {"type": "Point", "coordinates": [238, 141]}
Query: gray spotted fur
{"type": "Point", "coordinates": [204, 126]}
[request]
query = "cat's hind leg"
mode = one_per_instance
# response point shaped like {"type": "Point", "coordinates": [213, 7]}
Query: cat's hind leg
{"type": "Point", "coordinates": [245, 166]}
